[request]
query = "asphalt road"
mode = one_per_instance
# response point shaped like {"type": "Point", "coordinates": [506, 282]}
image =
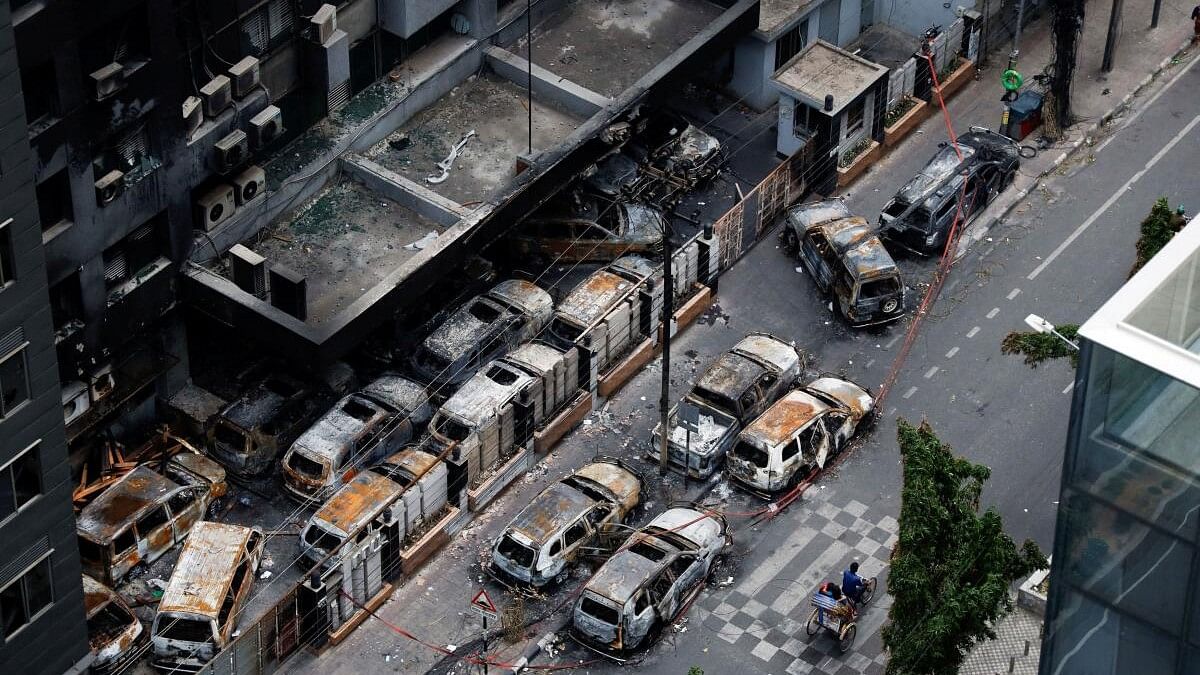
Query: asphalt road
{"type": "Point", "coordinates": [1060, 255]}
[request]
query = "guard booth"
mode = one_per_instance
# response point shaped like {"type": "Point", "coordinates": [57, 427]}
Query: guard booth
{"type": "Point", "coordinates": [830, 101]}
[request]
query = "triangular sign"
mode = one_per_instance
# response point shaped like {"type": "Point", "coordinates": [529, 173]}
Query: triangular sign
{"type": "Point", "coordinates": [483, 602]}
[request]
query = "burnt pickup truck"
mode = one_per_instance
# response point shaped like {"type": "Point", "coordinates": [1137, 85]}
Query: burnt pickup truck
{"type": "Point", "coordinates": [846, 260]}
{"type": "Point", "coordinates": [921, 214]}
{"type": "Point", "coordinates": [735, 389]}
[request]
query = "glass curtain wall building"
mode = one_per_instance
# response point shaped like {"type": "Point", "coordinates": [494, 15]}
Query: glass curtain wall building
{"type": "Point", "coordinates": [1124, 591]}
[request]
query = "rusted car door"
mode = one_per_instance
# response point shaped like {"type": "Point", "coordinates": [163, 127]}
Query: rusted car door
{"type": "Point", "coordinates": [641, 620]}
{"type": "Point", "coordinates": [813, 249]}
{"type": "Point", "coordinates": [837, 423]}
{"type": "Point", "coordinates": [125, 554]}
{"type": "Point", "coordinates": [156, 534]}
{"type": "Point", "coordinates": [187, 508]}
{"type": "Point", "coordinates": [687, 569]}
{"type": "Point", "coordinates": [815, 442]}
{"type": "Point", "coordinates": [578, 534]}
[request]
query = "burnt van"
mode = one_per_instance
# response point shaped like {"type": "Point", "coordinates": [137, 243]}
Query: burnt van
{"type": "Point", "coordinates": [249, 433]}
{"type": "Point", "coordinates": [199, 610]}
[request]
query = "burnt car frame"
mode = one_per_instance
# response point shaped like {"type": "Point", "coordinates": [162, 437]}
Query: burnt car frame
{"type": "Point", "coordinates": [648, 581]}
{"type": "Point", "coordinates": [115, 635]}
{"type": "Point", "coordinates": [919, 217]}
{"type": "Point", "coordinates": [847, 261]}
{"type": "Point", "coordinates": [799, 434]}
{"type": "Point", "coordinates": [486, 328]}
{"type": "Point", "coordinates": [589, 231]}
{"type": "Point", "coordinates": [550, 534]}
{"type": "Point", "coordinates": [252, 431]}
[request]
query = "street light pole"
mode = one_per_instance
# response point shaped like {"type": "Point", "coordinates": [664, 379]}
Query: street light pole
{"type": "Point", "coordinates": [664, 401]}
{"type": "Point", "coordinates": [1110, 42]}
{"type": "Point", "coordinates": [1043, 326]}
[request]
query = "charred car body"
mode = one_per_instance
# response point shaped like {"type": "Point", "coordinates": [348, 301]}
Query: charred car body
{"type": "Point", "coordinates": [847, 261]}
{"type": "Point", "coordinates": [645, 584]}
{"type": "Point", "coordinates": [589, 231]}
{"type": "Point", "coordinates": [485, 328]}
{"type": "Point", "coordinates": [397, 497]}
{"type": "Point", "coordinates": [359, 430]}
{"type": "Point", "coordinates": [549, 534]}
{"type": "Point", "coordinates": [921, 214]}
{"type": "Point", "coordinates": [200, 607]}
{"type": "Point", "coordinates": [249, 433]}
{"type": "Point", "coordinates": [144, 515]}
{"type": "Point", "coordinates": [799, 434]}
{"type": "Point", "coordinates": [735, 389]}
{"type": "Point", "coordinates": [115, 635]}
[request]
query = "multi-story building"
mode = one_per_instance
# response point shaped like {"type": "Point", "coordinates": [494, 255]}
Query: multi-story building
{"type": "Point", "coordinates": [1124, 594]}
{"type": "Point", "coordinates": [41, 598]}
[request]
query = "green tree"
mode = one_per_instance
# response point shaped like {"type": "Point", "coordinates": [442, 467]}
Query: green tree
{"type": "Point", "coordinates": [1038, 347]}
{"type": "Point", "coordinates": [952, 565]}
{"type": "Point", "coordinates": [1157, 229]}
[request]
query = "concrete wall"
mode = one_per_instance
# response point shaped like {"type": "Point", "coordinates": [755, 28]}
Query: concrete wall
{"type": "Point", "coordinates": [56, 641]}
{"type": "Point", "coordinates": [915, 16]}
{"type": "Point", "coordinates": [546, 85]}
{"type": "Point", "coordinates": [405, 17]}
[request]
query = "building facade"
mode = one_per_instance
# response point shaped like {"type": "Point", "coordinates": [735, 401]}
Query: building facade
{"type": "Point", "coordinates": [1124, 594]}
{"type": "Point", "coordinates": [41, 598]}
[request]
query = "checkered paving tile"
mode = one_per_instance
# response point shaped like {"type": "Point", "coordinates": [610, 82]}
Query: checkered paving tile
{"type": "Point", "coordinates": [764, 613]}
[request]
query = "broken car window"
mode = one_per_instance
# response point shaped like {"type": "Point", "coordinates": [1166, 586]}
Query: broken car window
{"type": "Point", "coordinates": [305, 466]}
{"type": "Point", "coordinates": [358, 410]}
{"type": "Point", "coordinates": [598, 611]}
{"type": "Point", "coordinates": [124, 541]}
{"type": "Point", "coordinates": [501, 376]}
{"type": "Point", "coordinates": [451, 429]}
{"type": "Point", "coordinates": [575, 533]}
{"type": "Point", "coordinates": [186, 630]}
{"type": "Point", "coordinates": [318, 538]}
{"type": "Point", "coordinates": [484, 312]}
{"type": "Point", "coordinates": [152, 521]}
{"type": "Point", "coordinates": [521, 556]}
{"type": "Point", "coordinates": [227, 435]}
{"type": "Point", "coordinates": [647, 551]}
{"type": "Point", "coordinates": [879, 289]}
{"type": "Point", "coordinates": [751, 454]}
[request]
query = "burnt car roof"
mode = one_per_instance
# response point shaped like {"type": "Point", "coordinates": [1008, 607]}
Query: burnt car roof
{"type": "Point", "coordinates": [415, 462]}
{"type": "Point", "coordinates": [767, 347]}
{"type": "Point", "coordinates": [122, 503]}
{"type": "Point", "coordinates": [357, 502]}
{"type": "Point", "coordinates": [623, 574]}
{"type": "Point", "coordinates": [95, 596]}
{"type": "Point", "coordinates": [263, 401]}
{"type": "Point", "coordinates": [524, 295]}
{"type": "Point", "coordinates": [813, 213]}
{"type": "Point", "coordinates": [337, 429]}
{"type": "Point", "coordinates": [611, 173]}
{"type": "Point", "coordinates": [463, 330]}
{"type": "Point", "coordinates": [588, 302]}
{"type": "Point", "coordinates": [781, 420]}
{"type": "Point", "coordinates": [695, 144]}
{"type": "Point", "coordinates": [852, 395]}
{"type": "Point", "coordinates": [205, 568]}
{"type": "Point", "coordinates": [975, 145]}
{"type": "Point", "coordinates": [614, 478]}
{"type": "Point", "coordinates": [688, 523]}
{"type": "Point", "coordinates": [479, 397]}
{"type": "Point", "coordinates": [730, 375]}
{"type": "Point", "coordinates": [869, 259]}
{"type": "Point", "coordinates": [550, 511]}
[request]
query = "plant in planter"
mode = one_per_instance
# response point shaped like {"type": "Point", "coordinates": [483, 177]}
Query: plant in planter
{"type": "Point", "coordinates": [852, 154]}
{"type": "Point", "coordinates": [951, 66]}
{"type": "Point", "coordinates": [899, 110]}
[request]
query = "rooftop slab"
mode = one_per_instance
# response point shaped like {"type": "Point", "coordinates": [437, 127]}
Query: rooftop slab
{"type": "Point", "coordinates": [608, 46]}
{"type": "Point", "coordinates": [495, 109]}
{"type": "Point", "coordinates": [344, 241]}
{"type": "Point", "coordinates": [774, 16]}
{"type": "Point", "coordinates": [821, 69]}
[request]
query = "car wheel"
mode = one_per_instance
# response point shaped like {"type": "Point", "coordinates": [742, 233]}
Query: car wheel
{"type": "Point", "coordinates": [891, 306]}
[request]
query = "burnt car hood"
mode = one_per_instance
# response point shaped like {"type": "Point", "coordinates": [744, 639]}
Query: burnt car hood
{"type": "Point", "coordinates": [695, 147]}
{"type": "Point", "coordinates": [612, 174]}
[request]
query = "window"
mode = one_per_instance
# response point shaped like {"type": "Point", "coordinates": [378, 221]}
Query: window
{"type": "Point", "coordinates": [358, 410]}
{"type": "Point", "coordinates": [182, 501]}
{"type": "Point", "coordinates": [185, 630]}
{"type": "Point", "coordinates": [125, 259]}
{"type": "Point", "coordinates": [879, 289]}
{"type": "Point", "coordinates": [305, 466]}
{"type": "Point", "coordinates": [855, 115]}
{"type": "Point", "coordinates": [14, 381]}
{"type": "Point", "coordinates": [790, 43]}
{"type": "Point", "coordinates": [501, 376]}
{"type": "Point", "coordinates": [66, 302]}
{"type": "Point", "coordinates": [790, 450]}
{"type": "Point", "coordinates": [25, 597]}
{"type": "Point", "coordinates": [40, 90]}
{"type": "Point", "coordinates": [681, 564]}
{"type": "Point", "coordinates": [152, 521]}
{"type": "Point", "coordinates": [125, 541]}
{"type": "Point", "coordinates": [267, 27]}
{"type": "Point", "coordinates": [744, 450]}
{"type": "Point", "coordinates": [556, 548]}
{"type": "Point", "coordinates": [643, 602]}
{"type": "Point", "coordinates": [54, 200]}
{"type": "Point", "coordinates": [7, 273]}
{"type": "Point", "coordinates": [602, 612]}
{"type": "Point", "coordinates": [812, 436]}
{"type": "Point", "coordinates": [804, 120]}
{"type": "Point", "coordinates": [20, 482]}
{"type": "Point", "coordinates": [484, 312]}
{"type": "Point", "coordinates": [575, 533]}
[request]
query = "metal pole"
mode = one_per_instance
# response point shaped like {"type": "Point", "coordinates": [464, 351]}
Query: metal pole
{"type": "Point", "coordinates": [1154, 17]}
{"type": "Point", "coordinates": [664, 401]}
{"type": "Point", "coordinates": [1110, 43]}
{"type": "Point", "coordinates": [529, 66]}
{"type": "Point", "coordinates": [485, 646]}
{"type": "Point", "coordinates": [984, 37]}
{"type": "Point", "coordinates": [1016, 48]}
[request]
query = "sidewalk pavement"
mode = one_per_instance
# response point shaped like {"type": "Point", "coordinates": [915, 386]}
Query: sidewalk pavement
{"type": "Point", "coordinates": [1016, 649]}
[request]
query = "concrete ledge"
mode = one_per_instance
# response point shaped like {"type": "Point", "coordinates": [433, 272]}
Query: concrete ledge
{"type": "Point", "coordinates": [559, 90]}
{"type": "Point", "coordinates": [558, 427]}
{"type": "Point", "coordinates": [849, 174]}
{"type": "Point", "coordinates": [361, 615]}
{"type": "Point", "coordinates": [693, 308]}
{"type": "Point", "coordinates": [958, 79]}
{"type": "Point", "coordinates": [904, 126]}
{"type": "Point", "coordinates": [431, 542]}
{"type": "Point", "coordinates": [404, 191]}
{"type": "Point", "coordinates": [491, 488]}
{"type": "Point", "coordinates": [615, 378]}
{"type": "Point", "coordinates": [1028, 595]}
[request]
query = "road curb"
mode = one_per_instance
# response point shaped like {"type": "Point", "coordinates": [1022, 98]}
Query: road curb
{"type": "Point", "coordinates": [531, 651]}
{"type": "Point", "coordinates": [979, 233]}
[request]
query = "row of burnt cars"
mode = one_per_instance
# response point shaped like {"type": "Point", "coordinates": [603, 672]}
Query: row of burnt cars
{"type": "Point", "coordinates": [847, 258]}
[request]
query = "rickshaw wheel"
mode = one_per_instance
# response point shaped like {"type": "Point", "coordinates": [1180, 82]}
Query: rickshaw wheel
{"type": "Point", "coordinates": [814, 623]}
{"type": "Point", "coordinates": [846, 640]}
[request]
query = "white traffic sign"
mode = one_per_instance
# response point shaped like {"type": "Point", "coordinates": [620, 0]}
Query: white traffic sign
{"type": "Point", "coordinates": [483, 605]}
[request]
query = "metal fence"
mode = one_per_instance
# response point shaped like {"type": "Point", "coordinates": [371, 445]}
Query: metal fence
{"type": "Point", "coordinates": [758, 209]}
{"type": "Point", "coordinates": [902, 80]}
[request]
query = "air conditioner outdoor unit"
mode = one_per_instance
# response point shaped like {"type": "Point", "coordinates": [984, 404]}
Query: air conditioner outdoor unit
{"type": "Point", "coordinates": [109, 187]}
{"type": "Point", "coordinates": [324, 23]}
{"type": "Point", "coordinates": [215, 207]}
{"type": "Point", "coordinates": [193, 113]}
{"type": "Point", "coordinates": [266, 126]}
{"type": "Point", "coordinates": [216, 95]}
{"type": "Point", "coordinates": [103, 382]}
{"type": "Point", "coordinates": [249, 271]}
{"type": "Point", "coordinates": [249, 184]}
{"type": "Point", "coordinates": [108, 80]}
{"type": "Point", "coordinates": [76, 400]}
{"type": "Point", "coordinates": [245, 74]}
{"type": "Point", "coordinates": [231, 152]}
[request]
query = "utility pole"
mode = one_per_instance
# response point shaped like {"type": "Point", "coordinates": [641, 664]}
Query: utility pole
{"type": "Point", "coordinates": [1016, 48]}
{"type": "Point", "coordinates": [664, 401]}
{"type": "Point", "coordinates": [1157, 10]}
{"type": "Point", "coordinates": [1110, 43]}
{"type": "Point", "coordinates": [529, 67]}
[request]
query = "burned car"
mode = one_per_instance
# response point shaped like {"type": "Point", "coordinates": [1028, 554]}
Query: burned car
{"type": "Point", "coordinates": [589, 231]}
{"type": "Point", "coordinates": [483, 329]}
{"type": "Point", "coordinates": [846, 260]}
{"type": "Point", "coordinates": [735, 389]}
{"type": "Point", "coordinates": [249, 433]}
{"type": "Point", "coordinates": [799, 434]}
{"type": "Point", "coordinates": [677, 146]}
{"type": "Point", "coordinates": [549, 534]}
{"type": "Point", "coordinates": [647, 583]}
{"type": "Point", "coordinates": [199, 610]}
{"type": "Point", "coordinates": [115, 635]}
{"type": "Point", "coordinates": [359, 430]}
{"type": "Point", "coordinates": [921, 214]}
{"type": "Point", "coordinates": [144, 515]}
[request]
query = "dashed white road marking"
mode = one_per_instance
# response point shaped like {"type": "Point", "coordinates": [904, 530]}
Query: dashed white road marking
{"type": "Point", "coordinates": [931, 372]}
{"type": "Point", "coordinates": [892, 342]}
{"type": "Point", "coordinates": [870, 363]}
{"type": "Point", "coordinates": [1069, 388]}
{"type": "Point", "coordinates": [950, 354]}
{"type": "Point", "coordinates": [910, 392]}
{"type": "Point", "coordinates": [1014, 293]}
{"type": "Point", "coordinates": [992, 314]}
{"type": "Point", "coordinates": [971, 333]}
